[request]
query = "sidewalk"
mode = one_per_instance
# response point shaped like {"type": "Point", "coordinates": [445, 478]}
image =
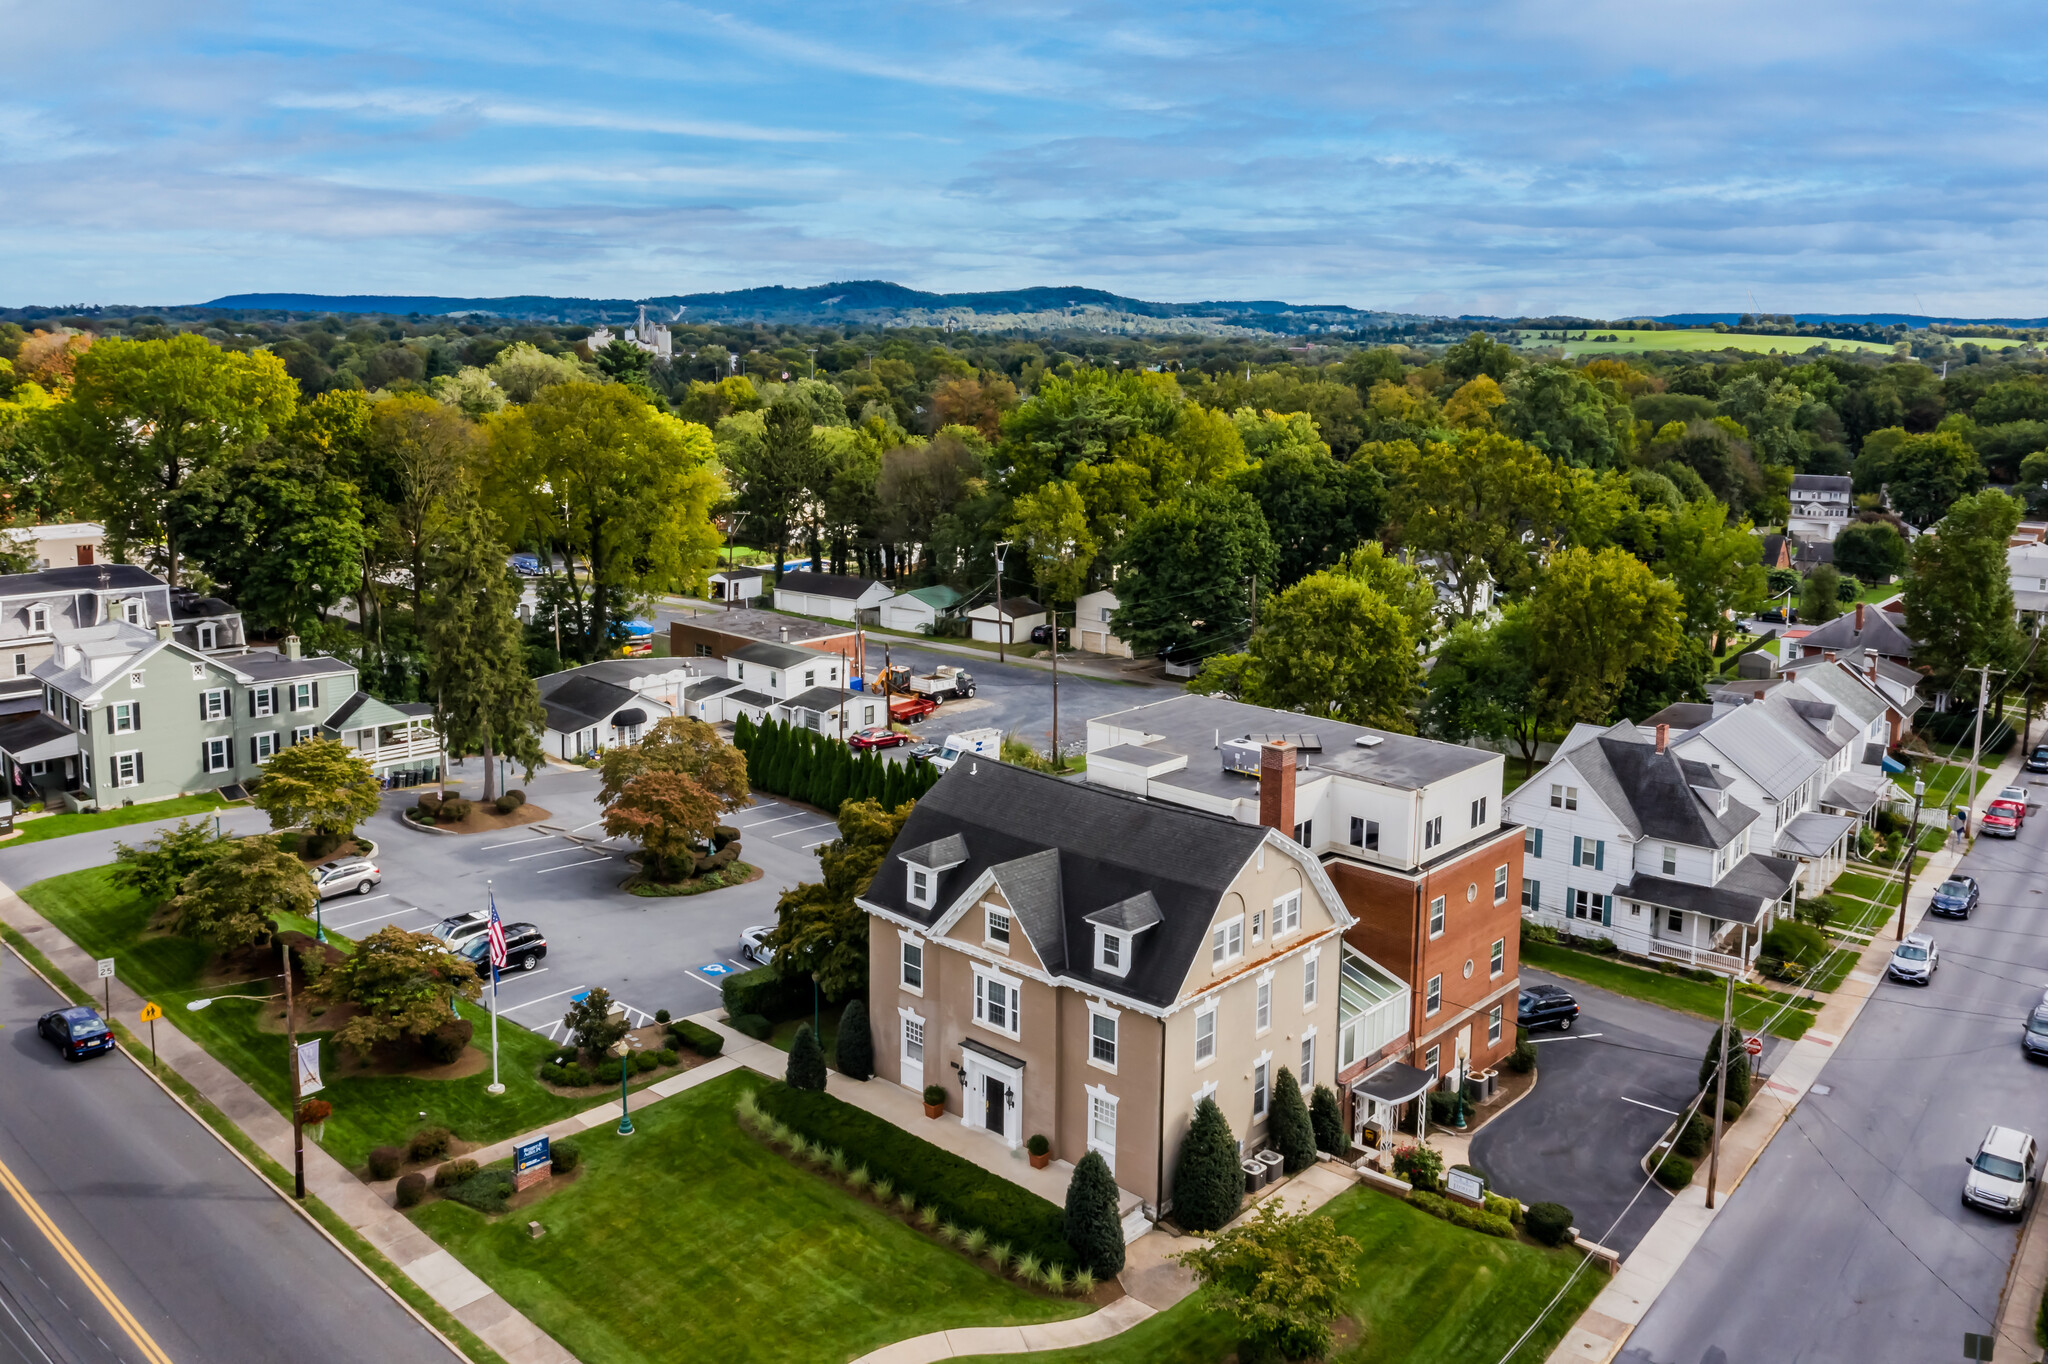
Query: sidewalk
{"type": "Point", "coordinates": [1603, 1329]}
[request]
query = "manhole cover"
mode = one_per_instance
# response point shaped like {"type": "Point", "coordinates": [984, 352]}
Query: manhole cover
{"type": "Point", "coordinates": [1820, 1089]}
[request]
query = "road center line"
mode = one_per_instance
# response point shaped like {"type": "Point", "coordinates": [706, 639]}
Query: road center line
{"type": "Point", "coordinates": [543, 871]}
{"type": "Point", "coordinates": [552, 852]}
{"type": "Point", "coordinates": [1640, 1104]}
{"type": "Point", "coordinates": [86, 1274]}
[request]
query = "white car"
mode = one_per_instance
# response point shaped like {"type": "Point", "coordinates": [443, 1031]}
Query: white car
{"type": "Point", "coordinates": [454, 932]}
{"type": "Point", "coordinates": [2018, 793]}
{"type": "Point", "coordinates": [339, 878]}
{"type": "Point", "coordinates": [2001, 1177]}
{"type": "Point", "coordinates": [1913, 961]}
{"type": "Point", "coordinates": [754, 943]}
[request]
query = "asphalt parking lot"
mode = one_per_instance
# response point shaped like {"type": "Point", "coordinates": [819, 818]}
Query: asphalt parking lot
{"type": "Point", "coordinates": [1605, 1092]}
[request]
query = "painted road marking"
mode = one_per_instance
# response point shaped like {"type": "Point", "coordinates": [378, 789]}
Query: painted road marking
{"type": "Point", "coordinates": [581, 827]}
{"type": "Point", "coordinates": [1568, 1037]}
{"type": "Point", "coordinates": [517, 842]}
{"type": "Point", "coordinates": [1640, 1104]}
{"type": "Point", "coordinates": [388, 914]}
{"type": "Point", "coordinates": [763, 823]}
{"type": "Point", "coordinates": [715, 968]}
{"type": "Point", "coordinates": [86, 1274]}
{"type": "Point", "coordinates": [543, 871]}
{"type": "Point", "coordinates": [552, 852]}
{"type": "Point", "coordinates": [508, 1008]}
{"type": "Point", "coordinates": [813, 829]}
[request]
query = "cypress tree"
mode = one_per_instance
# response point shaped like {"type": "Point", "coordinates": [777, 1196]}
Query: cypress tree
{"type": "Point", "coordinates": [1738, 1068]}
{"type": "Point", "coordinates": [1093, 1228]}
{"type": "Point", "coordinates": [856, 1050]}
{"type": "Point", "coordinates": [1288, 1128]}
{"type": "Point", "coordinates": [893, 793]}
{"type": "Point", "coordinates": [806, 1061]}
{"type": "Point", "coordinates": [762, 759]}
{"type": "Point", "coordinates": [742, 732]}
{"type": "Point", "coordinates": [1208, 1186]}
{"type": "Point", "coordinates": [842, 778]}
{"type": "Point", "coordinates": [1326, 1115]}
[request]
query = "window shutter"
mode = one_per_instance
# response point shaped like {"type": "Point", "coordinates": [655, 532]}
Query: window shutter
{"type": "Point", "coordinates": [273, 700]}
{"type": "Point", "coordinates": [252, 748]}
{"type": "Point", "coordinates": [316, 692]}
{"type": "Point", "coordinates": [202, 705]}
{"type": "Point", "coordinates": [1535, 895]}
{"type": "Point", "coordinates": [1607, 911]}
{"type": "Point", "coordinates": [1600, 855]}
{"type": "Point", "coordinates": [1577, 844]}
{"type": "Point", "coordinates": [138, 767]}
{"type": "Point", "coordinates": [1539, 843]}
{"type": "Point", "coordinates": [110, 719]}
{"type": "Point", "coordinates": [205, 758]}
{"type": "Point", "coordinates": [252, 703]}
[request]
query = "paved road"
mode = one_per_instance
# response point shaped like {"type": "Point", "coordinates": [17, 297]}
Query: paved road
{"type": "Point", "coordinates": [209, 1263]}
{"type": "Point", "coordinates": [1848, 1241]}
{"type": "Point", "coordinates": [1606, 1091]}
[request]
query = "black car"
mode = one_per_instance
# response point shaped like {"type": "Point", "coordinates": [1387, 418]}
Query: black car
{"type": "Point", "coordinates": [77, 1032]}
{"type": "Point", "coordinates": [525, 945]}
{"type": "Point", "coordinates": [2037, 761]}
{"type": "Point", "coordinates": [1042, 634]}
{"type": "Point", "coordinates": [1954, 898]}
{"type": "Point", "coordinates": [923, 753]}
{"type": "Point", "coordinates": [1546, 1006]}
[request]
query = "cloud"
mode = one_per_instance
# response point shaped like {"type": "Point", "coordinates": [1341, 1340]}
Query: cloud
{"type": "Point", "coordinates": [430, 105]}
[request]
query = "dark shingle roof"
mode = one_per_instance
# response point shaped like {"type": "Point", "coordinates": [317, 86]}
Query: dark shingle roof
{"type": "Point", "coordinates": [1064, 852]}
{"type": "Point", "coordinates": [825, 584]}
{"type": "Point", "coordinates": [1880, 632]}
{"type": "Point", "coordinates": [78, 578]}
{"type": "Point", "coordinates": [775, 655]}
{"type": "Point", "coordinates": [579, 702]}
{"type": "Point", "coordinates": [1657, 795]}
{"type": "Point", "coordinates": [1738, 898]}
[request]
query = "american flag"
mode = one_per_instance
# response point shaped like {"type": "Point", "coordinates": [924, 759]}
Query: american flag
{"type": "Point", "coordinates": [497, 936]}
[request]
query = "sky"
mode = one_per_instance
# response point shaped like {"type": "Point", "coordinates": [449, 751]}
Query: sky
{"type": "Point", "coordinates": [1597, 157]}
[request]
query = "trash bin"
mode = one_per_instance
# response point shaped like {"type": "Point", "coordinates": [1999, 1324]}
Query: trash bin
{"type": "Point", "coordinates": [1254, 1176]}
{"type": "Point", "coordinates": [1274, 1162]}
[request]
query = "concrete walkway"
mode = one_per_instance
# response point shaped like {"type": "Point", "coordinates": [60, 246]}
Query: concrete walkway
{"type": "Point", "coordinates": [1601, 1332]}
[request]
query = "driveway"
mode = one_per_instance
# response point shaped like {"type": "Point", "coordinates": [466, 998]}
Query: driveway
{"type": "Point", "coordinates": [1605, 1092]}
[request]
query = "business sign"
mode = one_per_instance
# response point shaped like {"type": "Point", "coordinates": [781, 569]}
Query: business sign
{"type": "Point", "coordinates": [1463, 1184]}
{"type": "Point", "coordinates": [532, 1162]}
{"type": "Point", "coordinates": [309, 1068]}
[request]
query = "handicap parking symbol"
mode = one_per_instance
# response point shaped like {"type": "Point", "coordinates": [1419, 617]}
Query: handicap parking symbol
{"type": "Point", "coordinates": [716, 968]}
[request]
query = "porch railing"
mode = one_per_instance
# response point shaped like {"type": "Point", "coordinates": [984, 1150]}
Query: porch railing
{"type": "Point", "coordinates": [1704, 957]}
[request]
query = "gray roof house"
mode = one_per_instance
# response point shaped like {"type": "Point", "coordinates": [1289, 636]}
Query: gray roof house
{"type": "Point", "coordinates": [838, 596]}
{"type": "Point", "coordinates": [34, 607]}
{"type": "Point", "coordinates": [1867, 628]}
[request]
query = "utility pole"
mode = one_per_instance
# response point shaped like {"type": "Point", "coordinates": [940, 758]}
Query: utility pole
{"type": "Point", "coordinates": [1912, 847]}
{"type": "Point", "coordinates": [1058, 765]}
{"type": "Point", "coordinates": [1002, 620]}
{"type": "Point", "coordinates": [1977, 735]}
{"type": "Point", "coordinates": [1721, 1088]}
{"type": "Point", "coordinates": [291, 1039]}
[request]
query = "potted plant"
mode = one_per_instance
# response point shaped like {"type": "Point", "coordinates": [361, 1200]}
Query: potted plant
{"type": "Point", "coordinates": [934, 1100]}
{"type": "Point", "coordinates": [314, 1114]}
{"type": "Point", "coordinates": [1040, 1149]}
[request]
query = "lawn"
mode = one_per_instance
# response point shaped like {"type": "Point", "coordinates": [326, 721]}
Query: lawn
{"type": "Point", "coordinates": [1700, 339]}
{"type": "Point", "coordinates": [108, 921]}
{"type": "Point", "coordinates": [1866, 887]}
{"type": "Point", "coordinates": [690, 1240]}
{"type": "Point", "coordinates": [57, 826]}
{"type": "Point", "coordinates": [784, 1034]}
{"type": "Point", "coordinates": [1704, 998]}
{"type": "Point", "coordinates": [1425, 1292]}
{"type": "Point", "coordinates": [1950, 784]}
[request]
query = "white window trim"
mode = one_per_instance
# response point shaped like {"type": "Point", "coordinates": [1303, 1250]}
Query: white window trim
{"type": "Point", "coordinates": [1496, 972]}
{"type": "Point", "coordinates": [1440, 917]}
{"type": "Point", "coordinates": [1100, 1094]}
{"type": "Point", "coordinates": [1115, 1017]}
{"type": "Point", "coordinates": [1015, 988]}
{"type": "Point", "coordinates": [1286, 914]}
{"type": "Point", "coordinates": [989, 914]}
{"type": "Point", "coordinates": [1218, 963]}
{"type": "Point", "coordinates": [124, 782]}
{"type": "Point", "coordinates": [1308, 1042]}
{"type": "Point", "coordinates": [1500, 884]}
{"type": "Point", "coordinates": [1123, 950]}
{"type": "Point", "coordinates": [1311, 978]}
{"type": "Point", "coordinates": [1436, 981]}
{"type": "Point", "coordinates": [910, 892]}
{"type": "Point", "coordinates": [1262, 994]}
{"type": "Point", "coordinates": [122, 710]}
{"type": "Point", "coordinates": [262, 702]}
{"type": "Point", "coordinates": [136, 681]}
{"type": "Point", "coordinates": [275, 748]}
{"type": "Point", "coordinates": [1215, 1048]}
{"type": "Point", "coordinates": [1263, 1059]}
{"type": "Point", "coordinates": [924, 959]}
{"type": "Point", "coordinates": [1207, 1091]}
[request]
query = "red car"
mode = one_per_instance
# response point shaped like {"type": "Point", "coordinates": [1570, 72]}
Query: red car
{"type": "Point", "coordinates": [876, 737]}
{"type": "Point", "coordinates": [2003, 819]}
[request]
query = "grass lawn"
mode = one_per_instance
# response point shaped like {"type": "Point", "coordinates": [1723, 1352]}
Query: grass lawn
{"type": "Point", "coordinates": [1951, 783]}
{"type": "Point", "coordinates": [1696, 339]}
{"type": "Point", "coordinates": [369, 1110]}
{"type": "Point", "coordinates": [784, 1035]}
{"type": "Point", "coordinates": [1701, 997]}
{"type": "Point", "coordinates": [1425, 1292]}
{"type": "Point", "coordinates": [689, 1240]}
{"type": "Point", "coordinates": [57, 826]}
{"type": "Point", "coordinates": [1866, 887]}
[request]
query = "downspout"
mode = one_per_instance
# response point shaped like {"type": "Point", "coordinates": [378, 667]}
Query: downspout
{"type": "Point", "coordinates": [1159, 1165]}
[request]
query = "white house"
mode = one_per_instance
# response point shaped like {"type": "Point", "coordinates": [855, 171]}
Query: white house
{"type": "Point", "coordinates": [2026, 561]}
{"type": "Point", "coordinates": [589, 710]}
{"type": "Point", "coordinates": [1625, 839]}
{"type": "Point", "coordinates": [737, 584]}
{"type": "Point", "coordinates": [70, 545]}
{"type": "Point", "coordinates": [919, 610]}
{"type": "Point", "coordinates": [1007, 621]}
{"type": "Point", "coordinates": [1821, 505]}
{"type": "Point", "coordinates": [838, 596]}
{"type": "Point", "coordinates": [1092, 633]}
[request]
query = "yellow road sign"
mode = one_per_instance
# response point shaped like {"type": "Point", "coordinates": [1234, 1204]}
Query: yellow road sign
{"type": "Point", "coordinates": [151, 1013]}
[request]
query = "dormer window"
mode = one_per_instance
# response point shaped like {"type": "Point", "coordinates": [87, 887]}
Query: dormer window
{"type": "Point", "coordinates": [131, 611]}
{"type": "Point", "coordinates": [920, 887]}
{"type": "Point", "coordinates": [1112, 951]}
{"type": "Point", "coordinates": [38, 619]}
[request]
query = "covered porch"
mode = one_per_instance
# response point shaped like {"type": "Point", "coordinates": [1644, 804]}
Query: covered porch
{"type": "Point", "coordinates": [1717, 927]}
{"type": "Point", "coordinates": [399, 742]}
{"type": "Point", "coordinates": [41, 757]}
{"type": "Point", "coordinates": [1819, 843]}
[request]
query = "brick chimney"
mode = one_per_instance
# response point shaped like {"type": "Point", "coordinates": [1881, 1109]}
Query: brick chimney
{"type": "Point", "coordinates": [1759, 693]}
{"type": "Point", "coordinates": [1663, 737]}
{"type": "Point", "coordinates": [1828, 655]}
{"type": "Point", "coordinates": [1859, 618]}
{"type": "Point", "coordinates": [1873, 667]}
{"type": "Point", "coordinates": [1276, 786]}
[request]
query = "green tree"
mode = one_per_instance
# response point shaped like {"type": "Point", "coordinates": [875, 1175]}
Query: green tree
{"type": "Point", "coordinates": [522, 370]}
{"type": "Point", "coordinates": [230, 901]}
{"type": "Point", "coordinates": [1738, 1067]}
{"type": "Point", "coordinates": [669, 816]}
{"type": "Point", "coordinates": [402, 985]}
{"type": "Point", "coordinates": [1093, 1228]}
{"type": "Point", "coordinates": [1872, 550]}
{"type": "Point", "coordinates": [1928, 473]}
{"type": "Point", "coordinates": [159, 866]}
{"type": "Point", "coordinates": [1562, 413]}
{"type": "Point", "coordinates": [1289, 1128]}
{"type": "Point", "coordinates": [1958, 592]}
{"type": "Point", "coordinates": [1326, 1116]}
{"type": "Point", "coordinates": [1479, 354]}
{"type": "Point", "coordinates": [1208, 1186]}
{"type": "Point", "coordinates": [1189, 570]}
{"type": "Point", "coordinates": [590, 1022]}
{"type": "Point", "coordinates": [778, 468]}
{"type": "Point", "coordinates": [1717, 568]}
{"type": "Point", "coordinates": [485, 700]}
{"type": "Point", "coordinates": [418, 454]}
{"type": "Point", "coordinates": [1315, 506]}
{"type": "Point", "coordinates": [1593, 616]}
{"type": "Point", "coordinates": [1483, 684]}
{"type": "Point", "coordinates": [854, 1053]}
{"type": "Point", "coordinates": [1052, 531]}
{"type": "Point", "coordinates": [1281, 1277]}
{"type": "Point", "coordinates": [1820, 596]}
{"type": "Point", "coordinates": [681, 745]}
{"type": "Point", "coordinates": [1466, 507]}
{"type": "Point", "coordinates": [1333, 645]}
{"type": "Point", "coordinates": [322, 784]}
{"type": "Point", "coordinates": [806, 1067]}
{"type": "Point", "coordinates": [143, 416]}
{"type": "Point", "coordinates": [2033, 484]}
{"type": "Point", "coordinates": [819, 930]}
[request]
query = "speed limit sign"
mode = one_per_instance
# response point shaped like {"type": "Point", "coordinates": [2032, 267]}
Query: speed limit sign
{"type": "Point", "coordinates": [1754, 1046]}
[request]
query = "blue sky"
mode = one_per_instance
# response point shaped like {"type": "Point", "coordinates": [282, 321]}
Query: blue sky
{"type": "Point", "coordinates": [1597, 157]}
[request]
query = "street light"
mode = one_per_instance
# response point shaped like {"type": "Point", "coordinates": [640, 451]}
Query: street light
{"type": "Point", "coordinates": [622, 1051]}
{"type": "Point", "coordinates": [1002, 626]}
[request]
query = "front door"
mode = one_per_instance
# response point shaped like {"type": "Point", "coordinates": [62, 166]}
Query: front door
{"type": "Point", "coordinates": [84, 555]}
{"type": "Point", "coordinates": [992, 1090]}
{"type": "Point", "coordinates": [913, 1054]}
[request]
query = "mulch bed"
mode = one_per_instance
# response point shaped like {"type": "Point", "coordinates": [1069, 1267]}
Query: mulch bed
{"type": "Point", "coordinates": [653, 1037]}
{"type": "Point", "coordinates": [483, 819]}
{"type": "Point", "coordinates": [638, 884]}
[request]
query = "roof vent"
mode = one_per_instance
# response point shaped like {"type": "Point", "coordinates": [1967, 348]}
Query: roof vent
{"type": "Point", "coordinates": [1369, 740]}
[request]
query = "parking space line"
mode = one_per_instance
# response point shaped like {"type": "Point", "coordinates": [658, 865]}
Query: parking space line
{"type": "Point", "coordinates": [517, 841]}
{"type": "Point", "coordinates": [581, 827]}
{"type": "Point", "coordinates": [813, 829]}
{"type": "Point", "coordinates": [1640, 1104]}
{"type": "Point", "coordinates": [543, 871]}
{"type": "Point", "coordinates": [763, 823]}
{"type": "Point", "coordinates": [509, 974]}
{"type": "Point", "coordinates": [819, 844]}
{"type": "Point", "coordinates": [552, 852]}
{"type": "Point", "coordinates": [406, 909]}
{"type": "Point", "coordinates": [508, 1008]}
{"type": "Point", "coordinates": [1567, 1037]}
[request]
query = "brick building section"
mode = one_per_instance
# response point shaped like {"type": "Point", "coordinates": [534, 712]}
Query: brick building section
{"type": "Point", "coordinates": [702, 636]}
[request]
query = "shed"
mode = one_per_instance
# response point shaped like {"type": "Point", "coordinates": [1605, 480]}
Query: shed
{"type": "Point", "coordinates": [736, 584]}
{"type": "Point", "coordinates": [837, 596]}
{"type": "Point", "coordinates": [919, 610]}
{"type": "Point", "coordinates": [1092, 612]}
{"type": "Point", "coordinates": [1006, 621]}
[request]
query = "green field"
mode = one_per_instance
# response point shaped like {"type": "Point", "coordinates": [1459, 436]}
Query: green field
{"type": "Point", "coordinates": [1754, 1008]}
{"type": "Point", "coordinates": [1701, 339]}
{"type": "Point", "coordinates": [691, 1240]}
{"type": "Point", "coordinates": [57, 826]}
{"type": "Point", "coordinates": [1425, 1291]}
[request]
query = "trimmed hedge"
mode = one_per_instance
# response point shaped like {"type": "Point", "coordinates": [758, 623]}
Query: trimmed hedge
{"type": "Point", "coordinates": [412, 1189]}
{"type": "Point", "coordinates": [1695, 1137]}
{"type": "Point", "coordinates": [1675, 1173]}
{"type": "Point", "coordinates": [1458, 1215]}
{"type": "Point", "coordinates": [487, 1191]}
{"type": "Point", "coordinates": [430, 1143]}
{"type": "Point", "coordinates": [386, 1161]}
{"type": "Point", "coordinates": [761, 991]}
{"type": "Point", "coordinates": [1550, 1223]}
{"type": "Point", "coordinates": [563, 1156]}
{"type": "Point", "coordinates": [697, 1038]}
{"type": "Point", "coordinates": [454, 1172]}
{"type": "Point", "coordinates": [754, 1026]}
{"type": "Point", "coordinates": [957, 1190]}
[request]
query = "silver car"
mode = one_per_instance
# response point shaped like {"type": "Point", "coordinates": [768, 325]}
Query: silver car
{"type": "Point", "coordinates": [2002, 1173]}
{"type": "Point", "coordinates": [1913, 961]}
{"type": "Point", "coordinates": [459, 929]}
{"type": "Point", "coordinates": [754, 943]}
{"type": "Point", "coordinates": [340, 878]}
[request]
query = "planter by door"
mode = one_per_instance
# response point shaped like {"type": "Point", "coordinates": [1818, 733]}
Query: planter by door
{"type": "Point", "coordinates": [935, 1110]}
{"type": "Point", "coordinates": [1039, 1162]}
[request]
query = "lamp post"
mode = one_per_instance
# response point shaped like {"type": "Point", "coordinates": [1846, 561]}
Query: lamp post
{"type": "Point", "coordinates": [622, 1051]}
{"type": "Point", "coordinates": [1002, 625]}
{"type": "Point", "coordinates": [1912, 846]}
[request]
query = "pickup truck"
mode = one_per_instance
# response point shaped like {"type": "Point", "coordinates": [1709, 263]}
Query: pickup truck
{"type": "Point", "coordinates": [909, 710]}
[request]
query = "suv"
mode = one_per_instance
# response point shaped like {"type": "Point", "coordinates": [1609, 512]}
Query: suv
{"type": "Point", "coordinates": [339, 878]}
{"type": "Point", "coordinates": [2001, 1177]}
{"type": "Point", "coordinates": [1546, 1006]}
{"type": "Point", "coordinates": [1913, 961]}
{"type": "Point", "coordinates": [77, 1031]}
{"type": "Point", "coordinates": [2037, 761]}
{"type": "Point", "coordinates": [1954, 898]}
{"type": "Point", "coordinates": [456, 931]}
{"type": "Point", "coordinates": [1042, 634]}
{"type": "Point", "coordinates": [524, 947]}
{"type": "Point", "coordinates": [2034, 1034]}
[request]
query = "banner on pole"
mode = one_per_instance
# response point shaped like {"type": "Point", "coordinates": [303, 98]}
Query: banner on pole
{"type": "Point", "coordinates": [309, 1068]}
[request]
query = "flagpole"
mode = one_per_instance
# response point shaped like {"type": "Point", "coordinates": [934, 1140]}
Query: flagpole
{"type": "Point", "coordinates": [495, 1086]}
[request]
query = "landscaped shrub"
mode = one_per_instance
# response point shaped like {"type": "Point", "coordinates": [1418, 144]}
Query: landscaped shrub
{"type": "Point", "coordinates": [1793, 942]}
{"type": "Point", "coordinates": [412, 1189]}
{"type": "Point", "coordinates": [1208, 1185]}
{"type": "Point", "coordinates": [1443, 1107]}
{"type": "Point", "coordinates": [645, 1061]}
{"type": "Point", "coordinates": [563, 1056]}
{"type": "Point", "coordinates": [698, 1038]}
{"type": "Point", "coordinates": [754, 1026]}
{"type": "Point", "coordinates": [1695, 1137]}
{"type": "Point", "coordinates": [1458, 1214]}
{"type": "Point", "coordinates": [806, 1069]}
{"type": "Point", "coordinates": [454, 1172]}
{"type": "Point", "coordinates": [453, 811]}
{"type": "Point", "coordinates": [1326, 1116]}
{"type": "Point", "coordinates": [430, 1143]}
{"type": "Point", "coordinates": [507, 803]}
{"type": "Point", "coordinates": [1738, 1066]}
{"type": "Point", "coordinates": [1674, 1173]}
{"type": "Point", "coordinates": [1093, 1229]}
{"type": "Point", "coordinates": [563, 1156]}
{"type": "Point", "coordinates": [386, 1161]}
{"type": "Point", "coordinates": [1288, 1126]}
{"type": "Point", "coordinates": [486, 1191]}
{"type": "Point", "coordinates": [855, 1052]}
{"type": "Point", "coordinates": [666, 1056]}
{"type": "Point", "coordinates": [956, 1189]}
{"type": "Point", "coordinates": [1502, 1206]}
{"type": "Point", "coordinates": [761, 991]}
{"type": "Point", "coordinates": [1421, 1166]}
{"type": "Point", "coordinates": [446, 1043]}
{"type": "Point", "coordinates": [1522, 1059]}
{"type": "Point", "coordinates": [609, 1070]}
{"type": "Point", "coordinates": [1038, 1144]}
{"type": "Point", "coordinates": [516, 796]}
{"type": "Point", "coordinates": [1550, 1223]}
{"type": "Point", "coordinates": [554, 1073]}
{"type": "Point", "coordinates": [935, 1095]}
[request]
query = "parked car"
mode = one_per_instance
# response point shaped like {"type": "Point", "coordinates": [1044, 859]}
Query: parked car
{"type": "Point", "coordinates": [754, 943]}
{"type": "Point", "coordinates": [2001, 1177]}
{"type": "Point", "coordinates": [460, 928]}
{"type": "Point", "coordinates": [1955, 897]}
{"type": "Point", "coordinates": [526, 565]}
{"type": "Point", "coordinates": [525, 945]}
{"type": "Point", "coordinates": [876, 736]}
{"type": "Point", "coordinates": [2037, 761]}
{"type": "Point", "coordinates": [76, 1031]}
{"type": "Point", "coordinates": [1778, 615]}
{"type": "Point", "coordinates": [1913, 961]}
{"type": "Point", "coordinates": [2034, 1034]}
{"type": "Point", "coordinates": [340, 878]}
{"type": "Point", "coordinates": [2003, 819]}
{"type": "Point", "coordinates": [1546, 1006]}
{"type": "Point", "coordinates": [925, 752]}
{"type": "Point", "coordinates": [1042, 634]}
